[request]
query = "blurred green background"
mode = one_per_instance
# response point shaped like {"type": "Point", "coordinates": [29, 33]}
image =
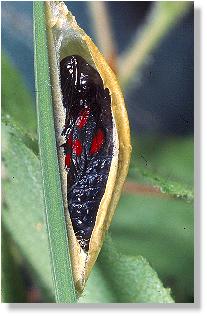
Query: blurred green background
{"type": "Point", "coordinates": [155, 214]}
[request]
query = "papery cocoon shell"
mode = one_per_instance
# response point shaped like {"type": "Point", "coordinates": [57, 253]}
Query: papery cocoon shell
{"type": "Point", "coordinates": [66, 38]}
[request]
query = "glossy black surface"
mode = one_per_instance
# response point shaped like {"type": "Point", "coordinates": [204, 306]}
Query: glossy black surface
{"type": "Point", "coordinates": [82, 89]}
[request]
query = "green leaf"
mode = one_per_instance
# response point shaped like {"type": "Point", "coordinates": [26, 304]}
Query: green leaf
{"type": "Point", "coordinates": [16, 100]}
{"type": "Point", "coordinates": [160, 230]}
{"type": "Point", "coordinates": [59, 249]}
{"type": "Point", "coordinates": [23, 215]}
{"type": "Point", "coordinates": [127, 279]}
{"type": "Point", "coordinates": [166, 164]}
{"type": "Point", "coordinates": [98, 289]}
{"type": "Point", "coordinates": [22, 134]}
{"type": "Point", "coordinates": [12, 286]}
{"type": "Point", "coordinates": [171, 187]}
{"type": "Point", "coordinates": [174, 158]}
{"type": "Point", "coordinates": [18, 108]}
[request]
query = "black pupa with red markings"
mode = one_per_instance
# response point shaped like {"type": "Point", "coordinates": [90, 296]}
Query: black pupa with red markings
{"type": "Point", "coordinates": [88, 146]}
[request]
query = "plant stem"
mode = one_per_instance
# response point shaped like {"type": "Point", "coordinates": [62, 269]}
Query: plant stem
{"type": "Point", "coordinates": [164, 15]}
{"type": "Point", "coordinates": [59, 250]}
{"type": "Point", "coordinates": [103, 31]}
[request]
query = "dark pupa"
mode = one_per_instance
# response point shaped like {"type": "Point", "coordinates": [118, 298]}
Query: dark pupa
{"type": "Point", "coordinates": [89, 145]}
